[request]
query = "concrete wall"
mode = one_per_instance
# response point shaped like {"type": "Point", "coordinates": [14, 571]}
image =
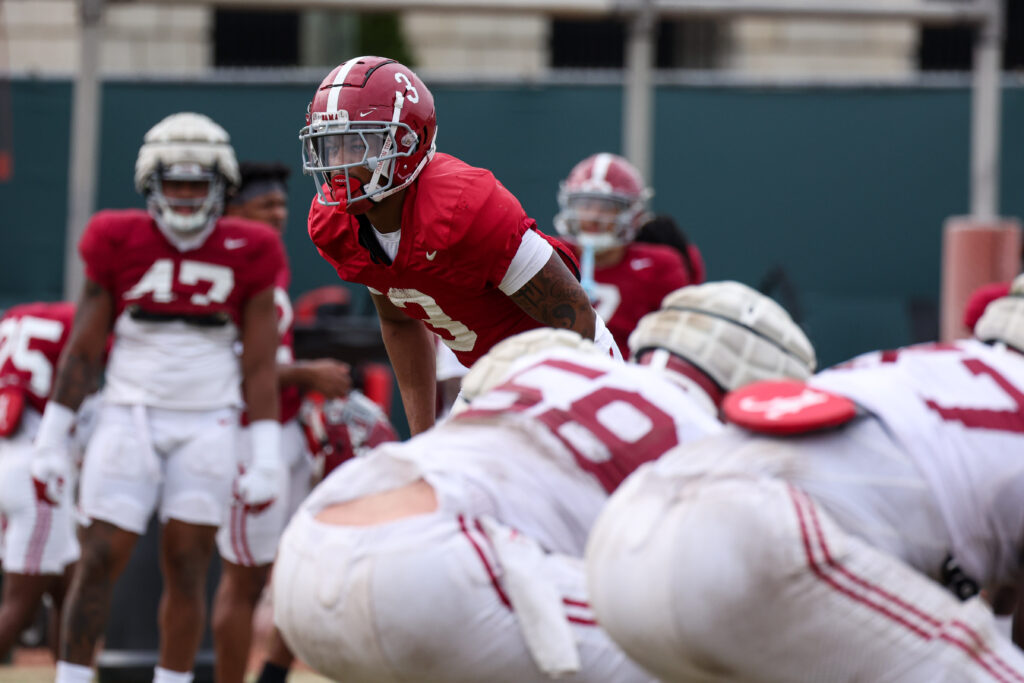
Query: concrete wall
{"type": "Point", "coordinates": [43, 36]}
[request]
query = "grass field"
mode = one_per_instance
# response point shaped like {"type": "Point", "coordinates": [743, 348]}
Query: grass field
{"type": "Point", "coordinates": [44, 674]}
{"type": "Point", "coordinates": [35, 666]}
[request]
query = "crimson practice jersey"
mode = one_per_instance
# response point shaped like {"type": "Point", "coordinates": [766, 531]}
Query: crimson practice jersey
{"type": "Point", "coordinates": [460, 231]}
{"type": "Point", "coordinates": [958, 411]}
{"type": "Point", "coordinates": [542, 451]}
{"type": "Point", "coordinates": [635, 286]}
{"type": "Point", "coordinates": [178, 313]}
{"type": "Point", "coordinates": [31, 339]}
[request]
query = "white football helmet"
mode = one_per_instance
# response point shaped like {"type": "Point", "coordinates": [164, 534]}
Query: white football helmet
{"type": "Point", "coordinates": [493, 367]}
{"type": "Point", "coordinates": [190, 147]}
{"type": "Point", "coordinates": [1003, 319]}
{"type": "Point", "coordinates": [730, 332]}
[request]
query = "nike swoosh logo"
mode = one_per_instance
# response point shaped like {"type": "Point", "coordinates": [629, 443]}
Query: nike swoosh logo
{"type": "Point", "coordinates": [640, 263]}
{"type": "Point", "coordinates": [364, 114]}
{"type": "Point", "coordinates": [431, 254]}
{"type": "Point", "coordinates": [235, 244]}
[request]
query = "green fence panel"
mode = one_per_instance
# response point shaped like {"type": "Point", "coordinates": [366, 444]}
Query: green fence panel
{"type": "Point", "coordinates": [841, 190]}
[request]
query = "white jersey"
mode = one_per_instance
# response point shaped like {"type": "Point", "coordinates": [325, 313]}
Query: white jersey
{"type": "Point", "coordinates": [957, 410]}
{"type": "Point", "coordinates": [540, 452]}
{"type": "Point", "coordinates": [173, 365]}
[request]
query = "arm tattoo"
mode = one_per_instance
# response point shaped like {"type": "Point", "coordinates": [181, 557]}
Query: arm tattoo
{"type": "Point", "coordinates": [554, 298]}
{"type": "Point", "coordinates": [78, 374]}
{"type": "Point", "coordinates": [78, 377]}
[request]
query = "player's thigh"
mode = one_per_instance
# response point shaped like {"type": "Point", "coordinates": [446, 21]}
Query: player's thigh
{"type": "Point", "coordinates": [671, 572]}
{"type": "Point", "coordinates": [201, 467]}
{"type": "Point", "coordinates": [120, 478]}
{"type": "Point", "coordinates": [38, 538]}
{"type": "Point", "coordinates": [601, 659]}
{"type": "Point", "coordinates": [407, 601]}
{"type": "Point", "coordinates": [748, 580]}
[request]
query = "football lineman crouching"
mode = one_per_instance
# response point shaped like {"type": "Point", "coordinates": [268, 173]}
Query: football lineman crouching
{"type": "Point", "coordinates": [456, 556]}
{"type": "Point", "coordinates": [179, 286]}
{"type": "Point", "coordinates": [851, 551]}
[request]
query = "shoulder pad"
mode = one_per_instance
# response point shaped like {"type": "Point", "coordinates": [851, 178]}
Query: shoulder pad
{"type": "Point", "coordinates": [786, 407]}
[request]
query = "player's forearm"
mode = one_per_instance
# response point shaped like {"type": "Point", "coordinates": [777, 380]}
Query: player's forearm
{"type": "Point", "coordinates": [261, 395]}
{"type": "Point", "coordinates": [410, 348]}
{"type": "Point", "coordinates": [78, 375]}
{"type": "Point", "coordinates": [555, 298]}
{"type": "Point", "coordinates": [294, 374]}
{"type": "Point", "coordinates": [81, 363]}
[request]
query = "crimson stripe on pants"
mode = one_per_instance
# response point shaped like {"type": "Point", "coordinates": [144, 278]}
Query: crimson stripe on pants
{"type": "Point", "coordinates": [37, 541]}
{"type": "Point", "coordinates": [885, 603]}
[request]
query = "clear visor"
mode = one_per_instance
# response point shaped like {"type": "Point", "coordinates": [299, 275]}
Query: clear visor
{"type": "Point", "coordinates": [595, 214]}
{"type": "Point", "coordinates": [337, 151]}
{"type": "Point", "coordinates": [364, 152]}
{"type": "Point", "coordinates": [601, 221]}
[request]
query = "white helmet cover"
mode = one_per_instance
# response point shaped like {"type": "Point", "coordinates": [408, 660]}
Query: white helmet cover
{"type": "Point", "coordinates": [186, 146]}
{"type": "Point", "coordinates": [1003, 319]}
{"type": "Point", "coordinates": [493, 367]}
{"type": "Point", "coordinates": [731, 332]}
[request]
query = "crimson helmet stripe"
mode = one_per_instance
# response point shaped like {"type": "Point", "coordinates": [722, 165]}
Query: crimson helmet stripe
{"type": "Point", "coordinates": [339, 78]}
{"type": "Point", "coordinates": [602, 162]}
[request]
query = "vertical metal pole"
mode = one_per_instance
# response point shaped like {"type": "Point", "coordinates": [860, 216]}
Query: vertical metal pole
{"type": "Point", "coordinates": [637, 111]}
{"type": "Point", "coordinates": [85, 115]}
{"type": "Point", "coordinates": [986, 113]}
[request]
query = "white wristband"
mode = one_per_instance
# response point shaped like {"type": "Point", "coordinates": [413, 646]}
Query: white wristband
{"type": "Point", "coordinates": [266, 443]}
{"type": "Point", "coordinates": [55, 427]}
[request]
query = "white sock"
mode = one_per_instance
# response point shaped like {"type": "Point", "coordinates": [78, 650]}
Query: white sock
{"type": "Point", "coordinates": [168, 676]}
{"type": "Point", "coordinates": [73, 673]}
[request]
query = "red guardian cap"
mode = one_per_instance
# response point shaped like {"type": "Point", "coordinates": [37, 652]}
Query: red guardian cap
{"type": "Point", "coordinates": [786, 407]}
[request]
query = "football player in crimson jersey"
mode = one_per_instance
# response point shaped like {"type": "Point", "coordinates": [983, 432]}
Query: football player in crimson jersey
{"type": "Point", "coordinates": [443, 247]}
{"type": "Point", "coordinates": [180, 287]}
{"type": "Point", "coordinates": [852, 550]}
{"type": "Point", "coordinates": [603, 203]}
{"type": "Point", "coordinates": [248, 542]}
{"type": "Point", "coordinates": [456, 556]}
{"type": "Point", "coordinates": [37, 540]}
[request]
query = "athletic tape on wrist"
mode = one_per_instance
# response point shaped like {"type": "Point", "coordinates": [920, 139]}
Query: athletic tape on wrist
{"type": "Point", "coordinates": [266, 443]}
{"type": "Point", "coordinates": [55, 427]}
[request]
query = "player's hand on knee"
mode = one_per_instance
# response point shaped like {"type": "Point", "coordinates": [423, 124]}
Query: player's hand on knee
{"type": "Point", "coordinates": [51, 456]}
{"type": "Point", "coordinates": [263, 480]}
{"type": "Point", "coordinates": [258, 487]}
{"type": "Point", "coordinates": [51, 474]}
